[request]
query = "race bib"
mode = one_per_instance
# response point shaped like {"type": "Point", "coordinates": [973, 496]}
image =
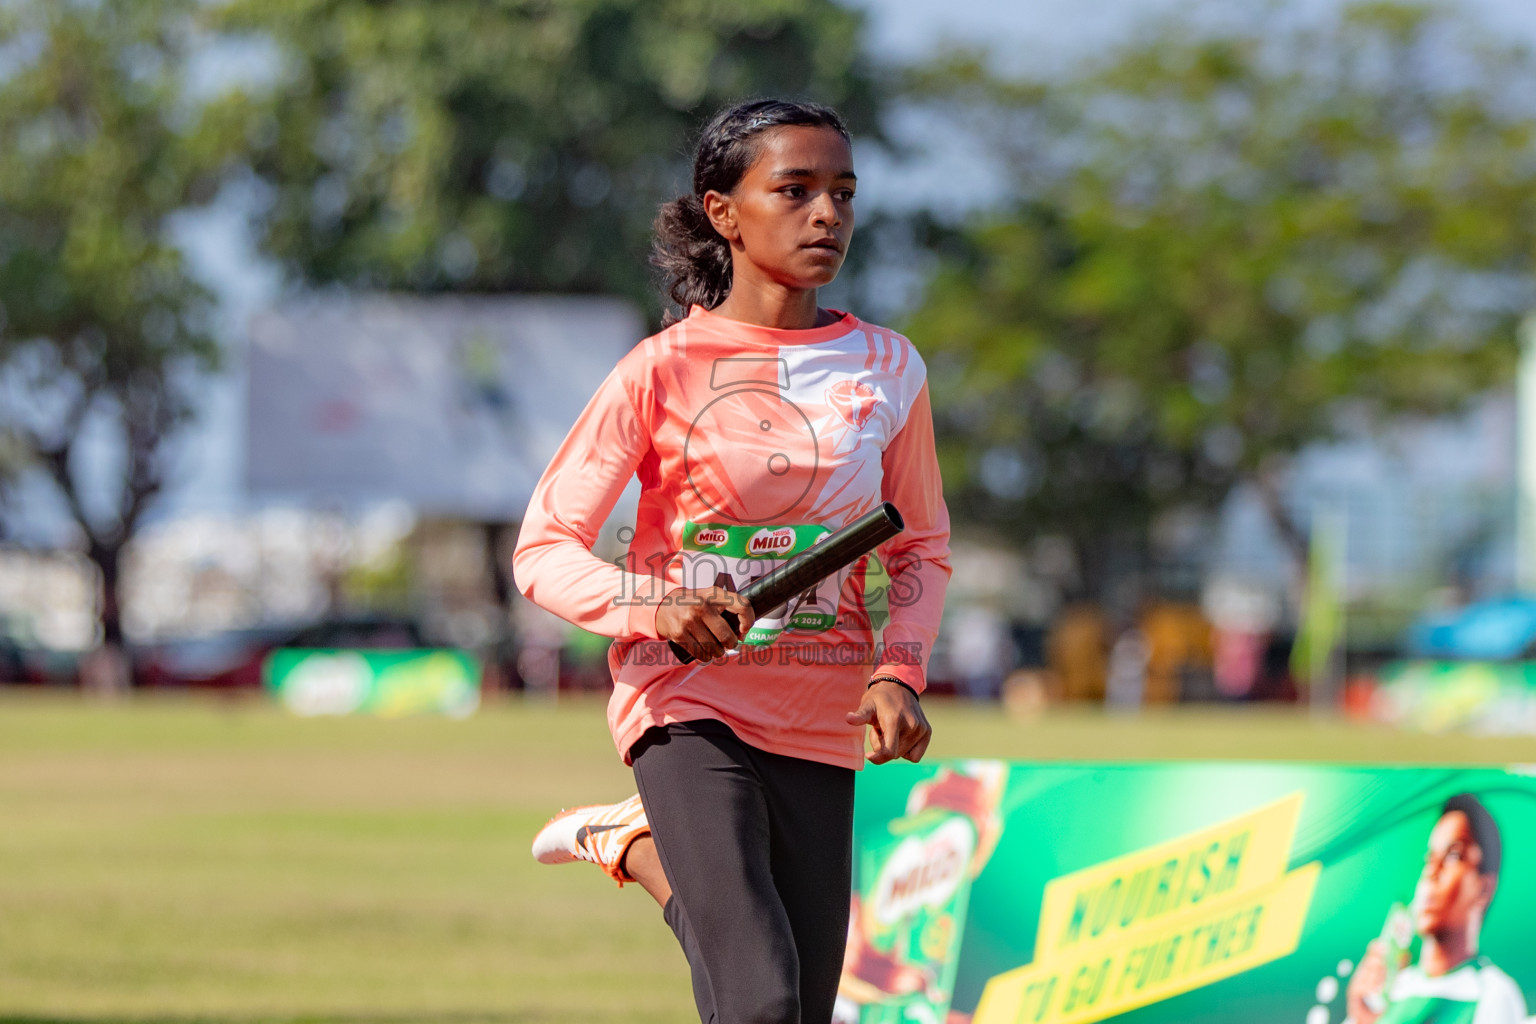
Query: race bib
{"type": "Point", "coordinates": [732, 556]}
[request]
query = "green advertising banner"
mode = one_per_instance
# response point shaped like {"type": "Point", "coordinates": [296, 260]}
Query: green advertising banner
{"type": "Point", "coordinates": [1480, 696]}
{"type": "Point", "coordinates": [375, 682]}
{"type": "Point", "coordinates": [989, 892]}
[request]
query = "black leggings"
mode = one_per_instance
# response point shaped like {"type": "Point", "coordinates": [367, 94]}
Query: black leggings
{"type": "Point", "coordinates": [758, 850]}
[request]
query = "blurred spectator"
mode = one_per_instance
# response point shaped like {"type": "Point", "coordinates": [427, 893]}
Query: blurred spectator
{"type": "Point", "coordinates": [1077, 648]}
{"type": "Point", "coordinates": [1179, 653]}
{"type": "Point", "coordinates": [1126, 686]}
{"type": "Point", "coordinates": [541, 636]}
{"type": "Point", "coordinates": [1243, 617]}
{"type": "Point", "coordinates": [1238, 659]}
{"type": "Point", "coordinates": [104, 671]}
{"type": "Point", "coordinates": [1026, 692]}
{"type": "Point", "coordinates": [981, 651]}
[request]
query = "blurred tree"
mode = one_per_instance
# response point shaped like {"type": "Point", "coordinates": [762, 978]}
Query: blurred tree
{"type": "Point", "coordinates": [1221, 247]}
{"type": "Point", "coordinates": [99, 320]}
{"type": "Point", "coordinates": [470, 145]}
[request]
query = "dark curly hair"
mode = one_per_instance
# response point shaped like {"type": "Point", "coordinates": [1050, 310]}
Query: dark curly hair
{"type": "Point", "coordinates": [694, 261]}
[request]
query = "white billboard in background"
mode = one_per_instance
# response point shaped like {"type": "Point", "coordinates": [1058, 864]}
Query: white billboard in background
{"type": "Point", "coordinates": [453, 404]}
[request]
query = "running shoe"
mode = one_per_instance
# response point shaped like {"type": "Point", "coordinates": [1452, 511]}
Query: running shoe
{"type": "Point", "coordinates": [601, 834]}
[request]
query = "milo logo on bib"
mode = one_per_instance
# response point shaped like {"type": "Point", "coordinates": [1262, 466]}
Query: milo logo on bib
{"type": "Point", "coordinates": [770, 542]}
{"type": "Point", "coordinates": [733, 556]}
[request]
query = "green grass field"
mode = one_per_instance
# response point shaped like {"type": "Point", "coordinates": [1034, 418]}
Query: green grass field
{"type": "Point", "coordinates": [212, 860]}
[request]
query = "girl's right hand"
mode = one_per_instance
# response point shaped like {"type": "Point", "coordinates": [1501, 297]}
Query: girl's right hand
{"type": "Point", "coordinates": [691, 619]}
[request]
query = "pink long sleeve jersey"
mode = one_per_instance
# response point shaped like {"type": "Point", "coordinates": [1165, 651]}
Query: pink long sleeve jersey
{"type": "Point", "coordinates": [750, 444]}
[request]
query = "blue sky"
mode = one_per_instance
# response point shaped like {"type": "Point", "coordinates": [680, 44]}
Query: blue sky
{"type": "Point", "coordinates": [1048, 31]}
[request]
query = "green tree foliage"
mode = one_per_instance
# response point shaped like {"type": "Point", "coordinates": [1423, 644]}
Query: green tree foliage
{"type": "Point", "coordinates": [100, 317]}
{"type": "Point", "coordinates": [519, 145]}
{"type": "Point", "coordinates": [1219, 248]}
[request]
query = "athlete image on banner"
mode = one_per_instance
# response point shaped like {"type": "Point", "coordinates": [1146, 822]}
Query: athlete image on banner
{"type": "Point", "coordinates": [1451, 982]}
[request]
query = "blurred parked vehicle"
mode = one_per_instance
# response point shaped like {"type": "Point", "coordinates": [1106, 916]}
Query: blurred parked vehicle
{"type": "Point", "coordinates": [37, 666]}
{"type": "Point", "coordinates": [13, 667]}
{"type": "Point", "coordinates": [233, 660]}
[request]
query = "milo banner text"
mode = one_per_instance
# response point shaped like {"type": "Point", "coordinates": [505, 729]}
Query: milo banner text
{"type": "Point", "coordinates": [995, 893]}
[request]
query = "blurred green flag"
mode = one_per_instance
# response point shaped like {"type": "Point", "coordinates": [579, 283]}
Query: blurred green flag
{"type": "Point", "coordinates": [1321, 629]}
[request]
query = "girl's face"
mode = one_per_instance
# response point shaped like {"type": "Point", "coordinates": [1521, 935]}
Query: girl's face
{"type": "Point", "coordinates": [790, 217]}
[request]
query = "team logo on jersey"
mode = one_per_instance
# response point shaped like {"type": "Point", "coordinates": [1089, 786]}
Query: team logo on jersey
{"type": "Point", "coordinates": [853, 402]}
{"type": "Point", "coordinates": [771, 542]}
{"type": "Point", "coordinates": [710, 538]}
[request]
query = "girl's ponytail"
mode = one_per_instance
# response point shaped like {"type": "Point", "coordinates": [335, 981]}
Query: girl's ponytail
{"type": "Point", "coordinates": [694, 260]}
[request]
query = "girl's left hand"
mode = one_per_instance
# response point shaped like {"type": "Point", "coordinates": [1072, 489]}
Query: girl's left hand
{"type": "Point", "coordinates": [900, 727]}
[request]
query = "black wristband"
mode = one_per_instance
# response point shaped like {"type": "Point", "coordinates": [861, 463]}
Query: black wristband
{"type": "Point", "coordinates": [898, 682]}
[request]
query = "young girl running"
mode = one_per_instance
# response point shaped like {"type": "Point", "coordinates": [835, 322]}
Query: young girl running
{"type": "Point", "coordinates": [757, 423]}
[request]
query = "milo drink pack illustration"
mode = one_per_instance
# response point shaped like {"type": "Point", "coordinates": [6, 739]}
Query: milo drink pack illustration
{"type": "Point", "coordinates": [908, 916]}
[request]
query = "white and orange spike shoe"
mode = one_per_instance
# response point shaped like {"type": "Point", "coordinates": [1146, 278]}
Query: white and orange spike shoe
{"type": "Point", "coordinates": [601, 834]}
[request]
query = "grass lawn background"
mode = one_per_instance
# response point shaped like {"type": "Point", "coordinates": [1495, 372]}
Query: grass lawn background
{"type": "Point", "coordinates": [213, 860]}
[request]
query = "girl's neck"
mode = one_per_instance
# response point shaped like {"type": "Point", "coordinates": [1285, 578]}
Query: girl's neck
{"type": "Point", "coordinates": [784, 309]}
